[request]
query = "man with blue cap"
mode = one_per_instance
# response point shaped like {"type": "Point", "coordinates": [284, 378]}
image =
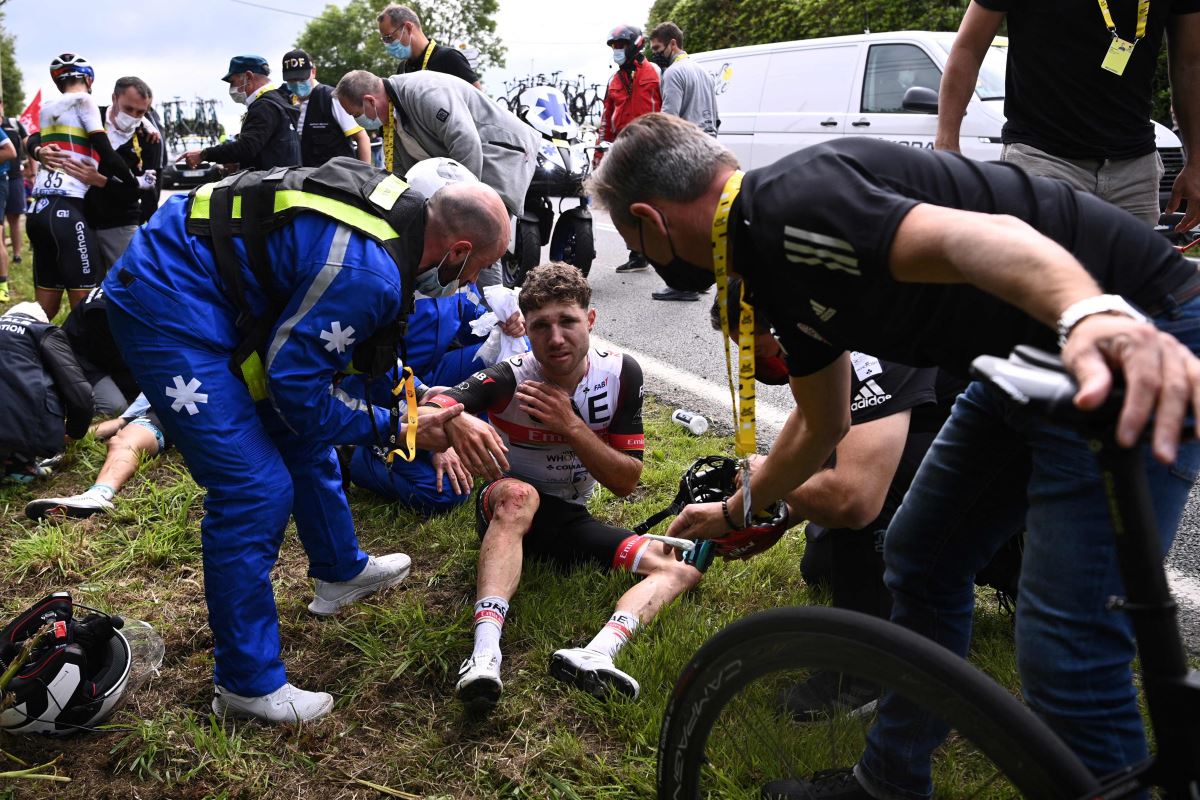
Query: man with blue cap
{"type": "Point", "coordinates": [269, 136]}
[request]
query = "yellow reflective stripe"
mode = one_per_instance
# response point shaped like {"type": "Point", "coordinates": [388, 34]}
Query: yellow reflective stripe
{"type": "Point", "coordinates": [356, 218]}
{"type": "Point", "coordinates": [560, 142]}
{"type": "Point", "coordinates": [254, 376]}
{"type": "Point", "coordinates": [202, 200]}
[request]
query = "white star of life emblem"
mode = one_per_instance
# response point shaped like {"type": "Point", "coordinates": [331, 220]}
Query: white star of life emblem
{"type": "Point", "coordinates": [185, 395]}
{"type": "Point", "coordinates": [338, 339]}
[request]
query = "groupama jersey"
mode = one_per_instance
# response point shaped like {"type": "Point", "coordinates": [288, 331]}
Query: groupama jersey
{"type": "Point", "coordinates": [67, 122]}
{"type": "Point", "coordinates": [608, 398]}
{"type": "Point", "coordinates": [812, 234]}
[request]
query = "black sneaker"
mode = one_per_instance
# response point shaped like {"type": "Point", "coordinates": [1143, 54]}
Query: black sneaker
{"type": "Point", "coordinates": [636, 263]}
{"type": "Point", "coordinates": [830, 784]}
{"type": "Point", "coordinates": [828, 693]}
{"type": "Point", "coordinates": [674, 294]}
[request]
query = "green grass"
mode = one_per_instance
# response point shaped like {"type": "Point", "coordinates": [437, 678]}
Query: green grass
{"type": "Point", "coordinates": [390, 661]}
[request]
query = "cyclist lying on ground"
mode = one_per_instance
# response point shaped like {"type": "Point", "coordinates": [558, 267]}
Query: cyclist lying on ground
{"type": "Point", "coordinates": [570, 416]}
{"type": "Point", "coordinates": [932, 259]}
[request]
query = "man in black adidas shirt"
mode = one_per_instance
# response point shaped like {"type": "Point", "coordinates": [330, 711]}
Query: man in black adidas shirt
{"type": "Point", "coordinates": [929, 259]}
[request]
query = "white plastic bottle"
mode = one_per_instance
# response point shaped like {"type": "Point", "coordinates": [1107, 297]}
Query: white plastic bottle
{"type": "Point", "coordinates": [690, 420]}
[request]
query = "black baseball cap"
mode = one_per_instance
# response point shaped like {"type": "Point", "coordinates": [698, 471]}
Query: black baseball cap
{"type": "Point", "coordinates": [240, 64]}
{"type": "Point", "coordinates": [297, 66]}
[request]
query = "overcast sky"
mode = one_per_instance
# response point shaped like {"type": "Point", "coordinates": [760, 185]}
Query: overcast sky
{"type": "Point", "coordinates": [182, 47]}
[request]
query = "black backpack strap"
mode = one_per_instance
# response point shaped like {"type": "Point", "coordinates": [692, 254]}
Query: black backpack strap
{"type": "Point", "coordinates": [676, 506]}
{"type": "Point", "coordinates": [258, 211]}
{"type": "Point", "coordinates": [228, 265]}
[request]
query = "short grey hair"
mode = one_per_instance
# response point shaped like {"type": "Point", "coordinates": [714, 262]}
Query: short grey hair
{"type": "Point", "coordinates": [657, 156]}
{"type": "Point", "coordinates": [398, 15]}
{"type": "Point", "coordinates": [355, 84]}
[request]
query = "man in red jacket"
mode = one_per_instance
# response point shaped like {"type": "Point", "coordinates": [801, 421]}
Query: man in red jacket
{"type": "Point", "coordinates": [632, 92]}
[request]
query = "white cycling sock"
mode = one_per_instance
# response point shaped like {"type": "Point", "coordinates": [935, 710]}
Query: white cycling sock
{"type": "Point", "coordinates": [489, 622]}
{"type": "Point", "coordinates": [615, 633]}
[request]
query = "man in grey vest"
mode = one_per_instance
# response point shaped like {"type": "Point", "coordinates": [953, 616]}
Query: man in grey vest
{"type": "Point", "coordinates": [688, 93]}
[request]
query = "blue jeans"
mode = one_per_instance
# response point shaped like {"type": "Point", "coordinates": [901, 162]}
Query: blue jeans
{"type": "Point", "coordinates": [412, 484]}
{"type": "Point", "coordinates": [990, 462]}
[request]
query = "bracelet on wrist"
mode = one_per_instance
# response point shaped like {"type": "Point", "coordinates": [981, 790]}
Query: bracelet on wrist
{"type": "Point", "coordinates": [728, 518]}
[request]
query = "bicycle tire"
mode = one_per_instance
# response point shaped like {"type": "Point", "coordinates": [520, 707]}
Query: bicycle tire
{"type": "Point", "coordinates": [1020, 746]}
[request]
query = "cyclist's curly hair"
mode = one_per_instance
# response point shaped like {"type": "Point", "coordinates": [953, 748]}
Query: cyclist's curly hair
{"type": "Point", "coordinates": [554, 282]}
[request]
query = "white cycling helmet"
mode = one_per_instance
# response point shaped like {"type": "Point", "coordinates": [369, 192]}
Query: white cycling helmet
{"type": "Point", "coordinates": [433, 173]}
{"type": "Point", "coordinates": [70, 65]}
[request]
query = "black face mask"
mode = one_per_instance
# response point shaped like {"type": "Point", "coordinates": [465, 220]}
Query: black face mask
{"type": "Point", "coordinates": [677, 273]}
{"type": "Point", "coordinates": [661, 59]}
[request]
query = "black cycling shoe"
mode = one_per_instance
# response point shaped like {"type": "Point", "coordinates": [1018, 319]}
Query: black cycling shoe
{"type": "Point", "coordinates": [675, 294]}
{"type": "Point", "coordinates": [826, 694]}
{"type": "Point", "coordinates": [829, 784]}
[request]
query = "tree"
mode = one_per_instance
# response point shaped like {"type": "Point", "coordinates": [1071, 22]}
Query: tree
{"type": "Point", "coordinates": [345, 39]}
{"type": "Point", "coordinates": [14, 92]}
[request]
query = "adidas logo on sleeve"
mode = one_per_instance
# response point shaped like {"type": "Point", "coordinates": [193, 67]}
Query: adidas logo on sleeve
{"type": "Point", "coordinates": [869, 395]}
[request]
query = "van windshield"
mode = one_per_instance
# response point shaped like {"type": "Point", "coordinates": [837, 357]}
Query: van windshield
{"type": "Point", "coordinates": [990, 85]}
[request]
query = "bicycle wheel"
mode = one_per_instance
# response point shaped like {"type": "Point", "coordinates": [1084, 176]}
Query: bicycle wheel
{"type": "Point", "coordinates": [726, 734]}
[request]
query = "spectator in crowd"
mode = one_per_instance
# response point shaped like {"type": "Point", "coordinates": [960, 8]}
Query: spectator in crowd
{"type": "Point", "coordinates": [66, 252]}
{"type": "Point", "coordinates": [113, 208]}
{"type": "Point", "coordinates": [8, 159]}
{"type": "Point", "coordinates": [269, 137]}
{"type": "Point", "coordinates": [152, 195]}
{"type": "Point", "coordinates": [86, 328]}
{"type": "Point", "coordinates": [12, 205]}
{"type": "Point", "coordinates": [1054, 125]}
{"type": "Point", "coordinates": [402, 36]}
{"type": "Point", "coordinates": [688, 93]}
{"type": "Point", "coordinates": [136, 432]}
{"type": "Point", "coordinates": [432, 115]}
{"type": "Point", "coordinates": [925, 257]}
{"type": "Point", "coordinates": [43, 392]}
{"type": "Point", "coordinates": [326, 130]}
{"type": "Point", "coordinates": [633, 90]}
{"type": "Point", "coordinates": [571, 416]}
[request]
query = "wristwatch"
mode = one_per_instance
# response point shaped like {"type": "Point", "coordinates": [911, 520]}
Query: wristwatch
{"type": "Point", "coordinates": [1100, 304]}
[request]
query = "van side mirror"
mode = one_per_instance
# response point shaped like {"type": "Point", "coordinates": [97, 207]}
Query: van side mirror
{"type": "Point", "coordinates": [920, 100]}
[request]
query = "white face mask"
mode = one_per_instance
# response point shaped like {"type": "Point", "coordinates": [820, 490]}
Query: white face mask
{"type": "Point", "coordinates": [236, 94]}
{"type": "Point", "coordinates": [125, 123]}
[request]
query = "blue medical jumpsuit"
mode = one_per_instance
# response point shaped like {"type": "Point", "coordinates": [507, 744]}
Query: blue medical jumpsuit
{"type": "Point", "coordinates": [260, 462]}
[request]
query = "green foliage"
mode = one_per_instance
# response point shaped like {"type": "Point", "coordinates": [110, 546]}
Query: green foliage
{"type": "Point", "coordinates": [712, 24]}
{"type": "Point", "coordinates": [347, 38]}
{"type": "Point", "coordinates": [14, 92]}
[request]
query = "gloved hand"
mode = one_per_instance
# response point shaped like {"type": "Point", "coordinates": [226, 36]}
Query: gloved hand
{"type": "Point", "coordinates": [148, 179]}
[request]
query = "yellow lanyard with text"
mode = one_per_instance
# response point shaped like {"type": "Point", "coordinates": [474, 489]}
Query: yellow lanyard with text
{"type": "Point", "coordinates": [743, 396]}
{"type": "Point", "coordinates": [1119, 50]}
{"type": "Point", "coordinates": [428, 53]}
{"type": "Point", "coordinates": [407, 385]}
{"type": "Point", "coordinates": [137, 150]}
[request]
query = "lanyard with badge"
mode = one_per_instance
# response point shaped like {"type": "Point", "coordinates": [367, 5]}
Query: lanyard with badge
{"type": "Point", "coordinates": [1120, 50]}
{"type": "Point", "coordinates": [743, 411]}
{"type": "Point", "coordinates": [389, 125]}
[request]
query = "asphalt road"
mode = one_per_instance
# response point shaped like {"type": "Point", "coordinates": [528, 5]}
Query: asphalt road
{"type": "Point", "coordinates": [682, 358]}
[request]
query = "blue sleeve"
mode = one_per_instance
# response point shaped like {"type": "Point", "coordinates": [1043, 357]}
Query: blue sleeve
{"type": "Point", "coordinates": [338, 308]}
{"type": "Point", "coordinates": [470, 308]}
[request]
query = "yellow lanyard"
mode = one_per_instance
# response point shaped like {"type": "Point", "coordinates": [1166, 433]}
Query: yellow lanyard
{"type": "Point", "coordinates": [428, 53]}
{"type": "Point", "coordinates": [678, 57]}
{"type": "Point", "coordinates": [1143, 15]}
{"type": "Point", "coordinates": [137, 150]}
{"type": "Point", "coordinates": [743, 411]}
{"type": "Point", "coordinates": [407, 385]}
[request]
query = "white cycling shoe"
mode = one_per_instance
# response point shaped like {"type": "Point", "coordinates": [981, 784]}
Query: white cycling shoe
{"type": "Point", "coordinates": [379, 573]}
{"type": "Point", "coordinates": [79, 506]}
{"type": "Point", "coordinates": [284, 705]}
{"type": "Point", "coordinates": [592, 672]}
{"type": "Point", "coordinates": [479, 685]}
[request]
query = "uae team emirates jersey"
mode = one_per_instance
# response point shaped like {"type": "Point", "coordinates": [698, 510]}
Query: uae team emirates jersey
{"type": "Point", "coordinates": [608, 399]}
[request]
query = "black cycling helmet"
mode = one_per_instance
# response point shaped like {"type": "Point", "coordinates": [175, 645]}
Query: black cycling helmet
{"type": "Point", "coordinates": [711, 479]}
{"type": "Point", "coordinates": [75, 679]}
{"type": "Point", "coordinates": [632, 36]}
{"type": "Point", "coordinates": [70, 65]}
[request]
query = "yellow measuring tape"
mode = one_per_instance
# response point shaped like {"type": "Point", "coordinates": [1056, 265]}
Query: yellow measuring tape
{"type": "Point", "coordinates": [389, 140]}
{"type": "Point", "coordinates": [407, 385]}
{"type": "Point", "coordinates": [743, 396]}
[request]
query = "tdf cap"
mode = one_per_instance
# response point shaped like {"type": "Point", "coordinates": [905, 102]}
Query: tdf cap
{"type": "Point", "coordinates": [240, 64]}
{"type": "Point", "coordinates": [297, 66]}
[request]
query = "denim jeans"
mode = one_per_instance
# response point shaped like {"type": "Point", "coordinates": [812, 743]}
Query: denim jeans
{"type": "Point", "coordinates": [992, 463]}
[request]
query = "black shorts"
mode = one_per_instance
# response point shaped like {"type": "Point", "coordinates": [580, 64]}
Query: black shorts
{"type": "Point", "coordinates": [566, 534]}
{"type": "Point", "coordinates": [66, 253]}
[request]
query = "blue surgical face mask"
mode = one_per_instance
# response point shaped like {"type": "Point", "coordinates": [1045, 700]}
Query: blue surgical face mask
{"type": "Point", "coordinates": [368, 123]}
{"type": "Point", "coordinates": [301, 89]}
{"type": "Point", "coordinates": [401, 52]}
{"type": "Point", "coordinates": [619, 56]}
{"type": "Point", "coordinates": [430, 285]}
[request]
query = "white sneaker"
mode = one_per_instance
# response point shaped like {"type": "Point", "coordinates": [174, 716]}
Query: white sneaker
{"type": "Point", "coordinates": [79, 506]}
{"type": "Point", "coordinates": [479, 683]}
{"type": "Point", "coordinates": [379, 573]}
{"type": "Point", "coordinates": [285, 704]}
{"type": "Point", "coordinates": [592, 672]}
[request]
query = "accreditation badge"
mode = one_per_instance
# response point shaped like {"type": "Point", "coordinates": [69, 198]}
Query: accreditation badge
{"type": "Point", "coordinates": [1117, 57]}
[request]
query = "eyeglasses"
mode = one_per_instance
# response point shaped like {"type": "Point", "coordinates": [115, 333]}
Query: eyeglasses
{"type": "Point", "coordinates": [388, 38]}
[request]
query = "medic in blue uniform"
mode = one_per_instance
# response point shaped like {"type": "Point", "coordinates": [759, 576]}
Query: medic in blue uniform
{"type": "Point", "coordinates": [333, 286]}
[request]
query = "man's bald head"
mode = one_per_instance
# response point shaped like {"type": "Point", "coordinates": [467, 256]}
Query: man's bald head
{"type": "Point", "coordinates": [467, 212]}
{"type": "Point", "coordinates": [356, 85]}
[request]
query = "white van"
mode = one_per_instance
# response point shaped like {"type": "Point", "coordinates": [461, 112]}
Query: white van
{"type": "Point", "coordinates": [774, 99]}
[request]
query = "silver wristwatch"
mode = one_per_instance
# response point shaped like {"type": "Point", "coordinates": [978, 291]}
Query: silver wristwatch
{"type": "Point", "coordinates": [1100, 304]}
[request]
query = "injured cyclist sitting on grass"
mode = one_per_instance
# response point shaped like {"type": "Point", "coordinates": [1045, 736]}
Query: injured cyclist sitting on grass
{"type": "Point", "coordinates": [570, 416]}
